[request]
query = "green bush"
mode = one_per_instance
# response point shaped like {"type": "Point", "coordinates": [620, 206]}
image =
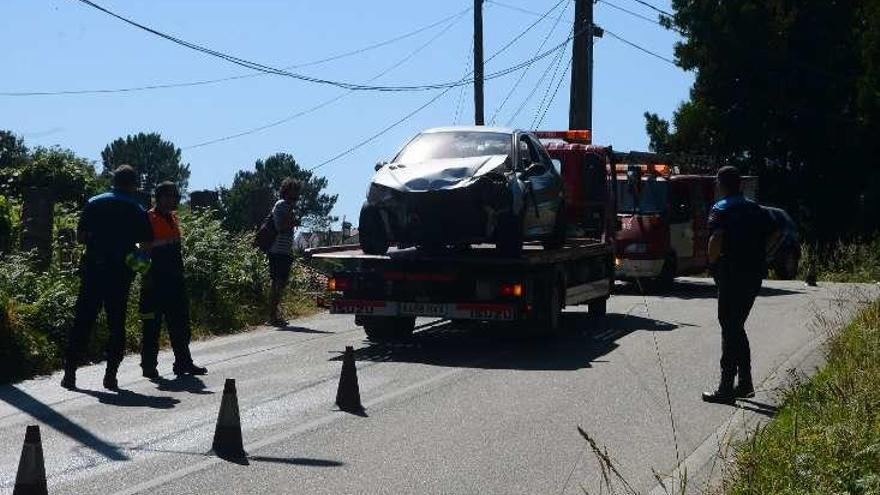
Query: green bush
{"type": "Point", "coordinates": [855, 261]}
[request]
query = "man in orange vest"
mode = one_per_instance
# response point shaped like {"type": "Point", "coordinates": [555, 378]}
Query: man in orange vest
{"type": "Point", "coordinates": [163, 290]}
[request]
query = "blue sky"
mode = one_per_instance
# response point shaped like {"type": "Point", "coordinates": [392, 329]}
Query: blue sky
{"type": "Point", "coordinates": [65, 45]}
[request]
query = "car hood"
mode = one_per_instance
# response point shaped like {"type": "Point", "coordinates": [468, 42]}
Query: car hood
{"type": "Point", "coordinates": [434, 175]}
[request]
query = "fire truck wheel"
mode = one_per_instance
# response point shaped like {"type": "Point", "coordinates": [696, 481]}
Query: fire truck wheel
{"type": "Point", "coordinates": [787, 267]}
{"type": "Point", "coordinates": [666, 278]}
{"type": "Point", "coordinates": [388, 328]}
{"type": "Point", "coordinates": [373, 238]}
{"type": "Point", "coordinates": [598, 307]}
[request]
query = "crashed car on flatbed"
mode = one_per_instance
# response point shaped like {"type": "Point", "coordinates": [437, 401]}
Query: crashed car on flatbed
{"type": "Point", "coordinates": [455, 186]}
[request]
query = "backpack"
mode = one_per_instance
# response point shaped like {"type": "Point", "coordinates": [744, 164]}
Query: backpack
{"type": "Point", "coordinates": [266, 234]}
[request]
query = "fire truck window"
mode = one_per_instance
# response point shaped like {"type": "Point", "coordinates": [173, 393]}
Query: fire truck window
{"type": "Point", "coordinates": [557, 165]}
{"type": "Point", "coordinates": [681, 206]}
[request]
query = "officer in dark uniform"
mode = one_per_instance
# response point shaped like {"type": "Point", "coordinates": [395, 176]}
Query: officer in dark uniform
{"type": "Point", "coordinates": [110, 226]}
{"type": "Point", "coordinates": [163, 291]}
{"type": "Point", "coordinates": [737, 258]}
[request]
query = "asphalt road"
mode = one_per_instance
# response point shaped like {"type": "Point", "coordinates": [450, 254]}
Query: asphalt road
{"type": "Point", "coordinates": [454, 411]}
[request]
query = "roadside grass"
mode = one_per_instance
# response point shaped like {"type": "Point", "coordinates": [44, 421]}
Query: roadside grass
{"type": "Point", "coordinates": [855, 261]}
{"type": "Point", "coordinates": [826, 436]}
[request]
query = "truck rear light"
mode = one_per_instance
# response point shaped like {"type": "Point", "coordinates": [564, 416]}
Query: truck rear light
{"type": "Point", "coordinates": [335, 284]}
{"type": "Point", "coordinates": [511, 290]}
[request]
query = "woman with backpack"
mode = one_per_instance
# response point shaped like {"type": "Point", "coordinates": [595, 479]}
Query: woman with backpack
{"type": "Point", "coordinates": [280, 253]}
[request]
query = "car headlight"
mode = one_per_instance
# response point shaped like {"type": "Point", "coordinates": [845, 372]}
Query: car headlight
{"type": "Point", "coordinates": [379, 194]}
{"type": "Point", "coordinates": [636, 248]}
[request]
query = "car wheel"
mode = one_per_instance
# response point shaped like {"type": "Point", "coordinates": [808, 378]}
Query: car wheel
{"type": "Point", "coordinates": [373, 238]}
{"type": "Point", "coordinates": [509, 235]}
{"type": "Point", "coordinates": [787, 267]}
{"type": "Point", "coordinates": [388, 328]}
{"type": "Point", "coordinates": [557, 237]}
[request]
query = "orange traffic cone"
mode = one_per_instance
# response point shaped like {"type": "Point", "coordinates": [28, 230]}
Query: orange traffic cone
{"type": "Point", "coordinates": [348, 396]}
{"type": "Point", "coordinates": [227, 436]}
{"type": "Point", "coordinates": [31, 477]}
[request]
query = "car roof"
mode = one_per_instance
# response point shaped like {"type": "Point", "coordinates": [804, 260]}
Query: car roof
{"type": "Point", "coordinates": [472, 128]}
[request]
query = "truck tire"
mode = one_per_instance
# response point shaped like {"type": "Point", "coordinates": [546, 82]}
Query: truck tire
{"type": "Point", "coordinates": [373, 238]}
{"type": "Point", "coordinates": [597, 307]}
{"type": "Point", "coordinates": [549, 310]}
{"type": "Point", "coordinates": [388, 328]}
{"type": "Point", "coordinates": [509, 237]}
{"type": "Point", "coordinates": [557, 237]}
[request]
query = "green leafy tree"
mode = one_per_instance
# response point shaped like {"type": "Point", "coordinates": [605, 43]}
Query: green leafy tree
{"type": "Point", "coordinates": [238, 203]}
{"type": "Point", "coordinates": [789, 91]}
{"type": "Point", "coordinates": [155, 159]}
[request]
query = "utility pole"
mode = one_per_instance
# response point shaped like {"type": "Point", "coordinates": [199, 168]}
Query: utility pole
{"type": "Point", "coordinates": [580, 114]}
{"type": "Point", "coordinates": [478, 63]}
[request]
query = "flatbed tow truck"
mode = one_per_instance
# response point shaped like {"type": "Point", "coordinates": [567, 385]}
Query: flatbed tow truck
{"type": "Point", "coordinates": [386, 293]}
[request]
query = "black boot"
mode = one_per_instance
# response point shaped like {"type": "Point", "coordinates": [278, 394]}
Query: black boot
{"type": "Point", "coordinates": [724, 393]}
{"type": "Point", "coordinates": [69, 380]}
{"type": "Point", "coordinates": [150, 372]}
{"type": "Point", "coordinates": [189, 369]}
{"type": "Point", "coordinates": [744, 388]}
{"type": "Point", "coordinates": [110, 382]}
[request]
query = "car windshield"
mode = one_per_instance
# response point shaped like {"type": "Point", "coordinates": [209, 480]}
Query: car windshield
{"type": "Point", "coordinates": [438, 145]}
{"type": "Point", "coordinates": [652, 199]}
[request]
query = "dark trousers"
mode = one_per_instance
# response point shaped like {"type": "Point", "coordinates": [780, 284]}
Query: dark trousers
{"type": "Point", "coordinates": [736, 295]}
{"type": "Point", "coordinates": [164, 300]}
{"type": "Point", "coordinates": [101, 285]}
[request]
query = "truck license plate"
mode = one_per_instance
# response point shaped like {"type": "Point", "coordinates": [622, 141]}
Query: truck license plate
{"type": "Point", "coordinates": [351, 307]}
{"type": "Point", "coordinates": [423, 309]}
{"type": "Point", "coordinates": [491, 314]}
{"type": "Point", "coordinates": [484, 311]}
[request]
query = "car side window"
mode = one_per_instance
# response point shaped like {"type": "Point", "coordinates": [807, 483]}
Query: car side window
{"type": "Point", "coordinates": [541, 155]}
{"type": "Point", "coordinates": [525, 153]}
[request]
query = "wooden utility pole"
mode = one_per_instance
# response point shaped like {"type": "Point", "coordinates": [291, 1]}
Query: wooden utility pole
{"type": "Point", "coordinates": [580, 114]}
{"type": "Point", "coordinates": [478, 63]}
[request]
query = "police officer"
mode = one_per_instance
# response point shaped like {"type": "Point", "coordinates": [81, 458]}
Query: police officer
{"type": "Point", "coordinates": [163, 291]}
{"type": "Point", "coordinates": [110, 226]}
{"type": "Point", "coordinates": [737, 257]}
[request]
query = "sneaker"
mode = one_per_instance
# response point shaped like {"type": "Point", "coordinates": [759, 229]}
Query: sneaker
{"type": "Point", "coordinates": [720, 396]}
{"type": "Point", "coordinates": [189, 369]}
{"type": "Point", "coordinates": [744, 390]}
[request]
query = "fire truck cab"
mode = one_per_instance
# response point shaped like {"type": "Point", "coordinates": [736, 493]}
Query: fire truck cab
{"type": "Point", "coordinates": [664, 221]}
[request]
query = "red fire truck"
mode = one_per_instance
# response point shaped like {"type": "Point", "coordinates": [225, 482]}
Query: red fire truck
{"type": "Point", "coordinates": [663, 219]}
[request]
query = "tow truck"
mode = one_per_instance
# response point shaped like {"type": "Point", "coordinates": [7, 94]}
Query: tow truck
{"type": "Point", "coordinates": [386, 293]}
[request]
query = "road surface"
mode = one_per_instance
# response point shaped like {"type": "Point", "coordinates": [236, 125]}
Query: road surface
{"type": "Point", "coordinates": [453, 411]}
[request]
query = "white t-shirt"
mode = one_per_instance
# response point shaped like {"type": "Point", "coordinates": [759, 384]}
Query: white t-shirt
{"type": "Point", "coordinates": [283, 243]}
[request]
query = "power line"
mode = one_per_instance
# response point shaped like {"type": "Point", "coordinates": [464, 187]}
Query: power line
{"type": "Point", "coordinates": [336, 98]}
{"type": "Point", "coordinates": [406, 117]}
{"type": "Point", "coordinates": [513, 7]}
{"type": "Point", "coordinates": [630, 12]}
{"type": "Point", "coordinates": [555, 91]}
{"type": "Point", "coordinates": [240, 76]}
{"type": "Point", "coordinates": [640, 48]}
{"type": "Point", "coordinates": [272, 70]}
{"type": "Point", "coordinates": [523, 73]}
{"type": "Point", "coordinates": [553, 63]}
{"type": "Point", "coordinates": [652, 7]}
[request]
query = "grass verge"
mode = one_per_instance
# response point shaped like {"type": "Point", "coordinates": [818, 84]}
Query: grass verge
{"type": "Point", "coordinates": [826, 437]}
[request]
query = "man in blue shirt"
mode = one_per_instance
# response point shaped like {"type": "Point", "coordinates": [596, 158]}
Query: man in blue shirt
{"type": "Point", "coordinates": [737, 260]}
{"type": "Point", "coordinates": [111, 225]}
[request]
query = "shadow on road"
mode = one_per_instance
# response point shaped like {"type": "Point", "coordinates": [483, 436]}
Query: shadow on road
{"type": "Point", "coordinates": [127, 398]}
{"type": "Point", "coordinates": [758, 407]}
{"type": "Point", "coordinates": [496, 347]}
{"type": "Point", "coordinates": [295, 329]}
{"type": "Point", "coordinates": [48, 416]}
{"type": "Point", "coordinates": [186, 383]}
{"type": "Point", "coordinates": [247, 460]}
{"type": "Point", "coordinates": [691, 289]}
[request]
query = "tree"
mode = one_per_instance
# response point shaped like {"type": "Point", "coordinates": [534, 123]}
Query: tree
{"type": "Point", "coordinates": [243, 212]}
{"type": "Point", "coordinates": [155, 159]}
{"type": "Point", "coordinates": [788, 91]}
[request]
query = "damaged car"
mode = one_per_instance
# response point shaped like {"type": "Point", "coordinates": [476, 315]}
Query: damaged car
{"type": "Point", "coordinates": [456, 186]}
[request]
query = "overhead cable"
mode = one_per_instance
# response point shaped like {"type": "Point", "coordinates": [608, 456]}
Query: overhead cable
{"type": "Point", "coordinates": [330, 101]}
{"type": "Point", "coordinates": [281, 72]}
{"type": "Point", "coordinates": [640, 48]}
{"type": "Point", "coordinates": [241, 76]}
{"type": "Point", "coordinates": [555, 91]}
{"type": "Point", "coordinates": [655, 8]}
{"type": "Point", "coordinates": [636, 14]}
{"type": "Point", "coordinates": [528, 98]}
{"type": "Point", "coordinates": [408, 116]}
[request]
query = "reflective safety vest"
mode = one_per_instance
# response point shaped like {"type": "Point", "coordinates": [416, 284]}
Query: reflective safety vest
{"type": "Point", "coordinates": [166, 229]}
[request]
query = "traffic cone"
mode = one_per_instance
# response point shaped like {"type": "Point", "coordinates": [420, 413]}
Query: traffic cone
{"type": "Point", "coordinates": [227, 436]}
{"type": "Point", "coordinates": [348, 396]}
{"type": "Point", "coordinates": [31, 477]}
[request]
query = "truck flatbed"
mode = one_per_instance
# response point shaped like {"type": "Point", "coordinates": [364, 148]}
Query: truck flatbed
{"type": "Point", "coordinates": [478, 254]}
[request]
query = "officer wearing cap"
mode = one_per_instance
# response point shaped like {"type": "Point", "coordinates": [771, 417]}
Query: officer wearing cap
{"type": "Point", "coordinates": [163, 290]}
{"type": "Point", "coordinates": [110, 225]}
{"type": "Point", "coordinates": [737, 257]}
